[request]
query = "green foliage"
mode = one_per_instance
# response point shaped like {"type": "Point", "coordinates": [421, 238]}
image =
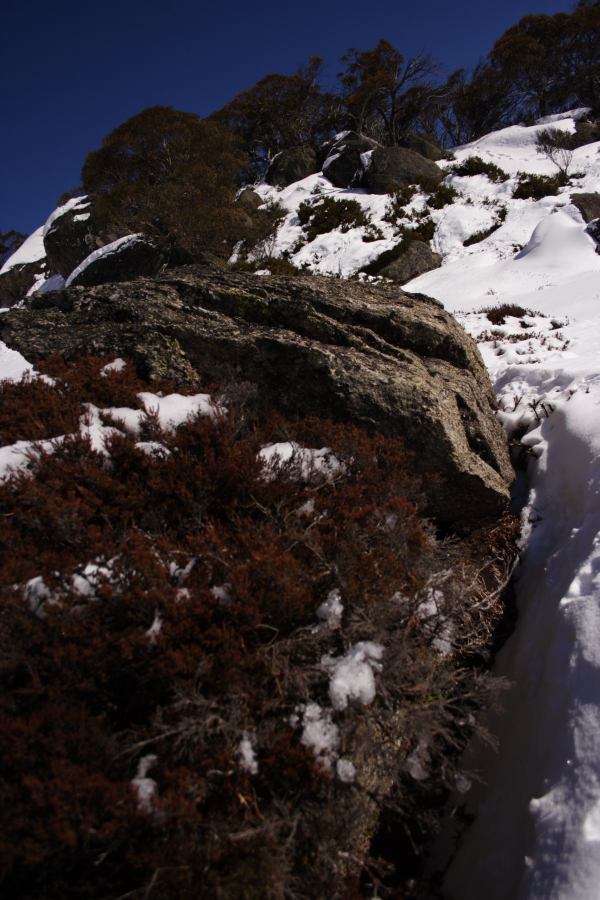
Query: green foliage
{"type": "Point", "coordinates": [395, 210]}
{"type": "Point", "coordinates": [535, 187]}
{"type": "Point", "coordinates": [475, 165]}
{"type": "Point", "coordinates": [328, 213]}
{"type": "Point", "coordinates": [279, 112]}
{"type": "Point", "coordinates": [423, 231]}
{"type": "Point", "coordinates": [443, 195]}
{"type": "Point", "coordinates": [386, 96]}
{"type": "Point", "coordinates": [172, 175]}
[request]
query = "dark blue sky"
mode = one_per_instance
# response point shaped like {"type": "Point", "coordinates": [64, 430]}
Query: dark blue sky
{"type": "Point", "coordinates": [72, 71]}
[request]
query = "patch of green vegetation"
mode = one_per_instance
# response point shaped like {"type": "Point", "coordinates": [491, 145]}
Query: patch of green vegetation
{"type": "Point", "coordinates": [424, 231]}
{"type": "Point", "coordinates": [534, 187]}
{"type": "Point", "coordinates": [475, 165]}
{"type": "Point", "coordinates": [443, 195]}
{"type": "Point", "coordinates": [326, 214]}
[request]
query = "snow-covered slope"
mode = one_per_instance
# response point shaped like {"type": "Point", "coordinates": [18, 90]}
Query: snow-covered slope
{"type": "Point", "coordinates": [536, 833]}
{"type": "Point", "coordinates": [537, 827]}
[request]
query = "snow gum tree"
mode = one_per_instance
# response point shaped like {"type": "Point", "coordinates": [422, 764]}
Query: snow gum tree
{"type": "Point", "coordinates": [170, 174]}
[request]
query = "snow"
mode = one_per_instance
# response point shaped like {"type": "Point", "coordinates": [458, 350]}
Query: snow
{"type": "Point", "coordinates": [310, 462]}
{"type": "Point", "coordinates": [145, 787]}
{"type": "Point", "coordinates": [117, 365]}
{"type": "Point", "coordinates": [107, 250]}
{"type": "Point", "coordinates": [175, 409]}
{"type": "Point", "coordinates": [331, 610]}
{"type": "Point", "coordinates": [319, 733]}
{"type": "Point", "coordinates": [345, 771]}
{"type": "Point", "coordinates": [352, 676]}
{"type": "Point", "coordinates": [30, 251]}
{"type": "Point", "coordinates": [536, 833]}
{"type": "Point", "coordinates": [79, 203]}
{"type": "Point", "coordinates": [247, 755]}
{"type": "Point", "coordinates": [44, 285]}
{"type": "Point", "coordinates": [18, 457]}
{"type": "Point", "coordinates": [13, 365]}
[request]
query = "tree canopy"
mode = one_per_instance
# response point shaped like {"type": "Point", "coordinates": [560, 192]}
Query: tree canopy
{"type": "Point", "coordinates": [170, 174]}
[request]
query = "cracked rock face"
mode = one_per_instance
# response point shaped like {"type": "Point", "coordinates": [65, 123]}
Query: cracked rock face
{"type": "Point", "coordinates": [373, 355]}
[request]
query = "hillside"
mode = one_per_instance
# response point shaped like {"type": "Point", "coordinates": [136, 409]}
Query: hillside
{"type": "Point", "coordinates": [521, 275]}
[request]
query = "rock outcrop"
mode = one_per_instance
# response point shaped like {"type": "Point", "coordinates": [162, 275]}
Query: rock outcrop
{"type": "Point", "coordinates": [391, 167]}
{"type": "Point", "coordinates": [426, 146]}
{"type": "Point", "coordinates": [292, 165]}
{"type": "Point", "coordinates": [588, 205]}
{"type": "Point", "coordinates": [414, 260]}
{"type": "Point", "coordinates": [123, 259]}
{"type": "Point", "coordinates": [70, 238]}
{"type": "Point", "coordinates": [372, 355]}
{"type": "Point", "coordinates": [344, 165]}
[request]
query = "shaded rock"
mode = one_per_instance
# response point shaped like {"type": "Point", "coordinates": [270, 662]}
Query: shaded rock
{"type": "Point", "coordinates": [249, 200]}
{"type": "Point", "coordinates": [391, 167]}
{"type": "Point", "coordinates": [344, 164]}
{"type": "Point", "coordinates": [415, 260]}
{"type": "Point", "coordinates": [586, 132]}
{"type": "Point", "coordinates": [70, 237]}
{"type": "Point", "coordinates": [123, 259]}
{"type": "Point", "coordinates": [17, 281]}
{"type": "Point", "coordinates": [593, 230]}
{"type": "Point", "coordinates": [372, 355]}
{"type": "Point", "coordinates": [427, 147]}
{"type": "Point", "coordinates": [588, 205]}
{"type": "Point", "coordinates": [292, 165]}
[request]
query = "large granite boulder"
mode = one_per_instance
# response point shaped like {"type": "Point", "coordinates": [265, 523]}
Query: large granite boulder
{"type": "Point", "coordinates": [414, 260]}
{"type": "Point", "coordinates": [345, 163]}
{"type": "Point", "coordinates": [373, 355]}
{"type": "Point", "coordinates": [588, 205]}
{"type": "Point", "coordinates": [292, 165]}
{"type": "Point", "coordinates": [70, 236]}
{"type": "Point", "coordinates": [391, 167]}
{"type": "Point", "coordinates": [127, 257]}
{"type": "Point", "coordinates": [424, 145]}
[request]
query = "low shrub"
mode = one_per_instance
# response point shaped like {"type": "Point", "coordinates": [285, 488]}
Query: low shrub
{"type": "Point", "coordinates": [497, 314]}
{"type": "Point", "coordinates": [159, 634]}
{"type": "Point", "coordinates": [395, 210]}
{"type": "Point", "coordinates": [535, 187]}
{"type": "Point", "coordinates": [424, 231]}
{"type": "Point", "coordinates": [444, 195]}
{"type": "Point", "coordinates": [475, 165]}
{"type": "Point", "coordinates": [326, 214]}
